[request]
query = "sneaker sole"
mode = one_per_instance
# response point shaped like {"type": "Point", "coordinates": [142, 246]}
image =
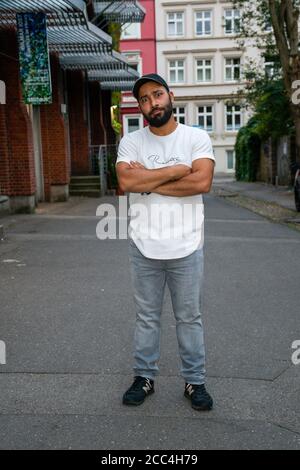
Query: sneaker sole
{"type": "Point", "coordinates": [199, 408]}
{"type": "Point", "coordinates": [137, 403]}
{"type": "Point", "coordinates": [133, 403]}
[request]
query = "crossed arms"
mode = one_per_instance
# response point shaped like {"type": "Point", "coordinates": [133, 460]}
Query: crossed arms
{"type": "Point", "coordinates": [176, 180]}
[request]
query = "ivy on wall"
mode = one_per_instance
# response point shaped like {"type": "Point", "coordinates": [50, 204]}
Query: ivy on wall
{"type": "Point", "coordinates": [114, 30]}
{"type": "Point", "coordinates": [271, 118]}
{"type": "Point", "coordinates": [247, 151]}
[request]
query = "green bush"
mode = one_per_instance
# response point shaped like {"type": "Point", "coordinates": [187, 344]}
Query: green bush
{"type": "Point", "coordinates": [112, 180]}
{"type": "Point", "coordinates": [247, 151]}
{"type": "Point", "coordinates": [272, 118]}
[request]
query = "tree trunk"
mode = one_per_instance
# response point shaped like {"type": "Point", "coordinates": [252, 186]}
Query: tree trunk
{"type": "Point", "coordinates": [296, 119]}
{"type": "Point", "coordinates": [295, 108]}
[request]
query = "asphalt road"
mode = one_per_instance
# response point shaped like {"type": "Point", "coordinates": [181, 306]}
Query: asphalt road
{"type": "Point", "coordinates": [67, 319]}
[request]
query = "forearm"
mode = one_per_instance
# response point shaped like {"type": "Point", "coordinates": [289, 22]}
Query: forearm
{"type": "Point", "coordinates": [144, 180]}
{"type": "Point", "coordinates": [187, 186]}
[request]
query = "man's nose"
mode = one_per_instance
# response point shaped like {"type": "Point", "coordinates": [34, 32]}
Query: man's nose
{"type": "Point", "coordinates": [153, 102]}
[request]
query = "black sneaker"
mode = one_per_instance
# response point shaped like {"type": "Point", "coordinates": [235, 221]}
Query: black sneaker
{"type": "Point", "coordinates": [138, 391]}
{"type": "Point", "coordinates": [201, 399]}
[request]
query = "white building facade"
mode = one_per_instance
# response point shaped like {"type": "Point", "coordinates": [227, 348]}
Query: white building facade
{"type": "Point", "coordinates": [199, 56]}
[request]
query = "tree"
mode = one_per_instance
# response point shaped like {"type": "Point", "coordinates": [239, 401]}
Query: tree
{"type": "Point", "coordinates": [271, 119]}
{"type": "Point", "coordinates": [282, 39]}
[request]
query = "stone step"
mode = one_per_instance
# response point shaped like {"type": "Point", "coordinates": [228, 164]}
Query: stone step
{"type": "Point", "coordinates": [4, 205]}
{"type": "Point", "coordinates": [85, 185]}
{"type": "Point", "coordinates": [85, 192]}
{"type": "Point", "coordinates": [84, 179]}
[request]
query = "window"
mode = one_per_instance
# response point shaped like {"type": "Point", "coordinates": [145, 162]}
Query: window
{"type": "Point", "coordinates": [205, 117]}
{"type": "Point", "coordinates": [272, 67]}
{"type": "Point", "coordinates": [230, 159]}
{"type": "Point", "coordinates": [175, 24]}
{"type": "Point", "coordinates": [268, 26]}
{"type": "Point", "coordinates": [233, 117]}
{"type": "Point", "coordinates": [232, 21]}
{"type": "Point", "coordinates": [232, 69]}
{"type": "Point", "coordinates": [203, 23]}
{"type": "Point", "coordinates": [179, 114]}
{"type": "Point", "coordinates": [269, 69]}
{"type": "Point", "coordinates": [132, 123]}
{"type": "Point", "coordinates": [204, 70]}
{"type": "Point", "coordinates": [134, 60]}
{"type": "Point", "coordinates": [176, 71]}
{"type": "Point", "coordinates": [131, 31]}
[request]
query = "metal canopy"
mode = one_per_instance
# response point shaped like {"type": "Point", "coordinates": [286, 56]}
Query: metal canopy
{"type": "Point", "coordinates": [85, 49]}
{"type": "Point", "coordinates": [102, 60]}
{"type": "Point", "coordinates": [116, 85]}
{"type": "Point", "coordinates": [54, 18]}
{"type": "Point", "coordinates": [64, 27]}
{"type": "Point", "coordinates": [46, 6]}
{"type": "Point", "coordinates": [107, 73]}
{"type": "Point", "coordinates": [89, 60]}
{"type": "Point", "coordinates": [86, 62]}
{"type": "Point", "coordinates": [127, 11]}
{"type": "Point", "coordinates": [77, 35]}
{"type": "Point", "coordinates": [111, 78]}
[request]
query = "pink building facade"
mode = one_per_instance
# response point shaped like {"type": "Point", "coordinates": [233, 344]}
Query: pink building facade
{"type": "Point", "coordinates": [138, 43]}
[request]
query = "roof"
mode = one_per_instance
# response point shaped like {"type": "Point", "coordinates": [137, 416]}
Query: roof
{"type": "Point", "coordinates": [127, 11]}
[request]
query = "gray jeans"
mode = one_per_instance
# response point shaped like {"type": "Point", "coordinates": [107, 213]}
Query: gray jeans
{"type": "Point", "coordinates": [184, 277]}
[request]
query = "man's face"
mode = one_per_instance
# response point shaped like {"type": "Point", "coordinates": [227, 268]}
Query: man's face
{"type": "Point", "coordinates": [155, 103]}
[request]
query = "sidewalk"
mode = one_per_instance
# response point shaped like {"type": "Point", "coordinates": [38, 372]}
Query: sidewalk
{"type": "Point", "coordinates": [67, 320]}
{"type": "Point", "coordinates": [283, 196]}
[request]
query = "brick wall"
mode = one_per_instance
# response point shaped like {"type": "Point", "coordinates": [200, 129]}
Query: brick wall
{"type": "Point", "coordinates": [17, 176]}
{"type": "Point", "coordinates": [54, 131]}
{"type": "Point", "coordinates": [4, 153]}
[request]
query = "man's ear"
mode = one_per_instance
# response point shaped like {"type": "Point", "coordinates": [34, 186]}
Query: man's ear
{"type": "Point", "coordinates": [172, 96]}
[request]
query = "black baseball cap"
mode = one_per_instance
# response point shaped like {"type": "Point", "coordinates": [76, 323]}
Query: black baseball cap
{"type": "Point", "coordinates": [150, 77]}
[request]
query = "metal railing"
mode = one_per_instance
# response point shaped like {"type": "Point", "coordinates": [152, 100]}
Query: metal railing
{"type": "Point", "coordinates": [102, 162]}
{"type": "Point", "coordinates": [107, 160]}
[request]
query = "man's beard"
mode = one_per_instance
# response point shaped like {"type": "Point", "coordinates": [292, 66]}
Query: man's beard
{"type": "Point", "coordinates": [162, 118]}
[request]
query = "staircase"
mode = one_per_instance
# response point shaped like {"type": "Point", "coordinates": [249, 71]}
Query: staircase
{"type": "Point", "coordinates": [88, 186]}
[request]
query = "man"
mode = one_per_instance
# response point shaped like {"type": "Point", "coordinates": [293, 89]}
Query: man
{"type": "Point", "coordinates": [166, 167]}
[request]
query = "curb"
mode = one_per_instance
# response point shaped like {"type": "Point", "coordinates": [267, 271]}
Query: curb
{"type": "Point", "coordinates": [225, 192]}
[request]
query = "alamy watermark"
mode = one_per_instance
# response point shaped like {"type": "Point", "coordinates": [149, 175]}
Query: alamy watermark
{"type": "Point", "coordinates": [2, 353]}
{"type": "Point", "coordinates": [173, 221]}
{"type": "Point", "coordinates": [296, 354]}
{"type": "Point", "coordinates": [2, 92]}
{"type": "Point", "coordinates": [296, 94]}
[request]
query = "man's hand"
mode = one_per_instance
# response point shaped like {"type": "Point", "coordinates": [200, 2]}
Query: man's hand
{"type": "Point", "coordinates": [198, 182]}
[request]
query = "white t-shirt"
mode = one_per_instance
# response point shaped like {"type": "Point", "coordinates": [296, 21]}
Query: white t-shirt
{"type": "Point", "coordinates": [166, 227]}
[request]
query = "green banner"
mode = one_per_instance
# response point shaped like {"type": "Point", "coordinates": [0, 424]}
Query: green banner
{"type": "Point", "coordinates": [34, 58]}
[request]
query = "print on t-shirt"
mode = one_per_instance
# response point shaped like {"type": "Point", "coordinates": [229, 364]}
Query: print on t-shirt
{"type": "Point", "coordinates": [158, 159]}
